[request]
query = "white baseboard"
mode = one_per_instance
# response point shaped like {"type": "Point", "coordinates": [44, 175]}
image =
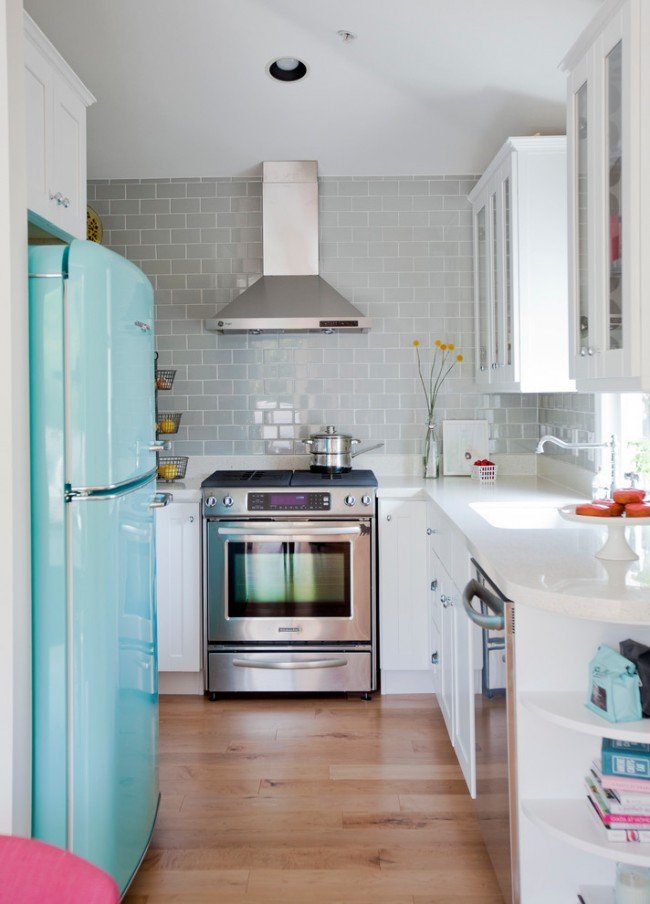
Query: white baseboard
{"type": "Point", "coordinates": [180, 683]}
{"type": "Point", "coordinates": [402, 682]}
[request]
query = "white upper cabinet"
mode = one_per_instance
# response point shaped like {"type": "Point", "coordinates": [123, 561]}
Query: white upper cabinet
{"type": "Point", "coordinates": [56, 102]}
{"type": "Point", "coordinates": [609, 182]}
{"type": "Point", "coordinates": [520, 268]}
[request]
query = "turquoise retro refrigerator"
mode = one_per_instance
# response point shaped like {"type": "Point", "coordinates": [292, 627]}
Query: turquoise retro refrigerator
{"type": "Point", "coordinates": [94, 612]}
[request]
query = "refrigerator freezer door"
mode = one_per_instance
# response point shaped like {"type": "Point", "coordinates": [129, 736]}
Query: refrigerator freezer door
{"type": "Point", "coordinates": [114, 701]}
{"type": "Point", "coordinates": [110, 369]}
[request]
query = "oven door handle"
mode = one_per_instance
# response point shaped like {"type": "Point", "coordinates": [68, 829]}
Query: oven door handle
{"type": "Point", "coordinates": [290, 664]}
{"type": "Point", "coordinates": [288, 530]}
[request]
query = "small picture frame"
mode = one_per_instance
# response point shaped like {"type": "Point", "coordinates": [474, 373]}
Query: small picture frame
{"type": "Point", "coordinates": [462, 443]}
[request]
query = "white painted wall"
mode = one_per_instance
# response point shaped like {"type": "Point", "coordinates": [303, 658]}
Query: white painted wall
{"type": "Point", "coordinates": [15, 603]}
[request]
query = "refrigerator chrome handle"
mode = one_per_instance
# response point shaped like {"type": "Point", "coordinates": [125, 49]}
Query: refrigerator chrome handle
{"type": "Point", "coordinates": [160, 445]}
{"type": "Point", "coordinates": [112, 491]}
{"type": "Point", "coordinates": [160, 500]}
{"type": "Point", "coordinates": [300, 664]}
{"type": "Point", "coordinates": [495, 622]}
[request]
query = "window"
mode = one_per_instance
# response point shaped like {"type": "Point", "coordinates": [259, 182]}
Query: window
{"type": "Point", "coordinates": [627, 415]}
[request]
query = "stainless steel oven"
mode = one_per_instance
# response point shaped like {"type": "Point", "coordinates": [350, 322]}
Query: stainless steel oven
{"type": "Point", "coordinates": [277, 581]}
{"type": "Point", "coordinates": [289, 582]}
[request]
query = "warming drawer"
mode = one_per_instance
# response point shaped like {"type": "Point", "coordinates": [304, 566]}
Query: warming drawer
{"type": "Point", "coordinates": [304, 672]}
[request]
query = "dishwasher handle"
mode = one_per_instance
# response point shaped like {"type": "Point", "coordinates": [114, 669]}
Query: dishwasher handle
{"type": "Point", "coordinates": [494, 622]}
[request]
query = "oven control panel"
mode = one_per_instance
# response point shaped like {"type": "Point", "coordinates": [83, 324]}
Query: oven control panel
{"type": "Point", "coordinates": [289, 502]}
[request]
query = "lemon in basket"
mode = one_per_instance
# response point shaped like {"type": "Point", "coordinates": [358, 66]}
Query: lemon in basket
{"type": "Point", "coordinates": [168, 471]}
{"type": "Point", "coordinates": [167, 425]}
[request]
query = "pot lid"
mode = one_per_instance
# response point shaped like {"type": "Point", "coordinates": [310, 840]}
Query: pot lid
{"type": "Point", "coordinates": [329, 432]}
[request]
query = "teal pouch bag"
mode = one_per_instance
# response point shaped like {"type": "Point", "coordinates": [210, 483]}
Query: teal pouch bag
{"type": "Point", "coordinates": [614, 687]}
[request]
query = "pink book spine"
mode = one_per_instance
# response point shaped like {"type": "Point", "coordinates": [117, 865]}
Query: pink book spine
{"type": "Point", "coordinates": [617, 820]}
{"type": "Point", "coordinates": [634, 785]}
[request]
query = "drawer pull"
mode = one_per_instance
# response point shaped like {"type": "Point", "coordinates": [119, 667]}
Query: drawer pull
{"type": "Point", "coordinates": [298, 664]}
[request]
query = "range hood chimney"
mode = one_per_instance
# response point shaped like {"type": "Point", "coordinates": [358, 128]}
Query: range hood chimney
{"type": "Point", "coordinates": [290, 296]}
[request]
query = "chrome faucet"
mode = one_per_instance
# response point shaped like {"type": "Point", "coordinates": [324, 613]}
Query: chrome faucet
{"type": "Point", "coordinates": [611, 444]}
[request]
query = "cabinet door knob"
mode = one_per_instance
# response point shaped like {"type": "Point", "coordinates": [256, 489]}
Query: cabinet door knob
{"type": "Point", "coordinates": [435, 658]}
{"type": "Point", "coordinates": [58, 197]}
{"type": "Point", "coordinates": [434, 584]}
{"type": "Point", "coordinates": [430, 531]}
{"type": "Point", "coordinates": [191, 519]}
{"type": "Point", "coordinates": [66, 202]}
{"type": "Point", "coordinates": [389, 517]}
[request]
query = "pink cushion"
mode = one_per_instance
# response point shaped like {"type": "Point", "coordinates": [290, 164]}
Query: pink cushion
{"type": "Point", "coordinates": [32, 872]}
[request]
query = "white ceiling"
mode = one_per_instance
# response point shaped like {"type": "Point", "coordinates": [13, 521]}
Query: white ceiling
{"type": "Point", "coordinates": [429, 86]}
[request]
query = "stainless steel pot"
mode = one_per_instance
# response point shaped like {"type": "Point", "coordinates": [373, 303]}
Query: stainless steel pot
{"type": "Point", "coordinates": [331, 452]}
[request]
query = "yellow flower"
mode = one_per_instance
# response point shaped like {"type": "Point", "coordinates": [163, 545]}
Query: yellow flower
{"type": "Point", "coordinates": [416, 342]}
{"type": "Point", "coordinates": [437, 343]}
{"type": "Point", "coordinates": [451, 346]}
{"type": "Point", "coordinates": [442, 347]}
{"type": "Point", "coordinates": [459, 357]}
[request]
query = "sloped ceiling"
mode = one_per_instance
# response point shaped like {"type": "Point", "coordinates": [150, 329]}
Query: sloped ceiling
{"type": "Point", "coordinates": [428, 86]}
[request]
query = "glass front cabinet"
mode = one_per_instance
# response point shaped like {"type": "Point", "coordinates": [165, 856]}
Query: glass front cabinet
{"type": "Point", "coordinates": [607, 128]}
{"type": "Point", "coordinates": [520, 266]}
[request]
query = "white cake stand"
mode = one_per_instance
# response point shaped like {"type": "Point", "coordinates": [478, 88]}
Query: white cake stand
{"type": "Point", "coordinates": [616, 549]}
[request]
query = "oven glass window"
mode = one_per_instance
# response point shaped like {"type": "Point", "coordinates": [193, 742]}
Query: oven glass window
{"type": "Point", "coordinates": [287, 579]}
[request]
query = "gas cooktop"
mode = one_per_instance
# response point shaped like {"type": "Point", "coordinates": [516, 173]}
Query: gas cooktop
{"type": "Point", "coordinates": [280, 478]}
{"type": "Point", "coordinates": [315, 479]}
{"type": "Point", "coordinates": [229, 479]}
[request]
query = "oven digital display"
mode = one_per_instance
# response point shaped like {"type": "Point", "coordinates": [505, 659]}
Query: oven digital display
{"type": "Point", "coordinates": [279, 500]}
{"type": "Point", "coordinates": [288, 502]}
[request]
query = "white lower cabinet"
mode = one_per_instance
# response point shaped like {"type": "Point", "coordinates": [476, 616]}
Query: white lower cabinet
{"type": "Point", "coordinates": [427, 643]}
{"type": "Point", "coordinates": [464, 691]}
{"type": "Point", "coordinates": [404, 597]}
{"type": "Point", "coordinates": [447, 656]}
{"type": "Point", "coordinates": [178, 584]}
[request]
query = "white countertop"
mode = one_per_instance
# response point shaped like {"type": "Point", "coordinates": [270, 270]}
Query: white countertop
{"type": "Point", "coordinates": [187, 490]}
{"type": "Point", "coordinates": [551, 567]}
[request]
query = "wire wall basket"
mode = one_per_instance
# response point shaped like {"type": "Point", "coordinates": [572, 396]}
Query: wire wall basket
{"type": "Point", "coordinates": [168, 422]}
{"type": "Point", "coordinates": [172, 467]}
{"type": "Point", "coordinates": [165, 379]}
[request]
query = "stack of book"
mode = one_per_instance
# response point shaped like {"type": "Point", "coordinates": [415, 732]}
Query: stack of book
{"type": "Point", "coordinates": [618, 790]}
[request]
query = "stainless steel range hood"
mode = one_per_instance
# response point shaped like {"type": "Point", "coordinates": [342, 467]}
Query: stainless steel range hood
{"type": "Point", "coordinates": [290, 296]}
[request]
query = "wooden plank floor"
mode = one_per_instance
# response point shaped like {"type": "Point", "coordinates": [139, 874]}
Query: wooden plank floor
{"type": "Point", "coordinates": [312, 801]}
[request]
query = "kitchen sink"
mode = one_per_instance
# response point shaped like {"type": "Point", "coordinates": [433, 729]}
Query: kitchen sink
{"type": "Point", "coordinates": [533, 515]}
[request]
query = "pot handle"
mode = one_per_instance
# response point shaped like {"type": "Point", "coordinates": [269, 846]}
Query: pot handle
{"type": "Point", "coordinates": [307, 442]}
{"type": "Point", "coordinates": [367, 449]}
{"type": "Point", "coordinates": [353, 442]}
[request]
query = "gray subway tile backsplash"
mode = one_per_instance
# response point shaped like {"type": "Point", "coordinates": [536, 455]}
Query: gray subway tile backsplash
{"type": "Point", "coordinates": [399, 247]}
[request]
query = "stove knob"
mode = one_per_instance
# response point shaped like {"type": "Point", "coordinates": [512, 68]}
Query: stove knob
{"type": "Point", "coordinates": [210, 501]}
{"type": "Point", "coordinates": [350, 500]}
{"type": "Point", "coordinates": [366, 500]}
{"type": "Point", "coordinates": [228, 501]}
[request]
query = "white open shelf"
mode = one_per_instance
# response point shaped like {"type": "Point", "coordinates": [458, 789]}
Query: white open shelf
{"type": "Point", "coordinates": [597, 894]}
{"type": "Point", "coordinates": [570, 821]}
{"type": "Point", "coordinates": [569, 710]}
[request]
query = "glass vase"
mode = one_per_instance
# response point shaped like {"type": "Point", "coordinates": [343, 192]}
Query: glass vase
{"type": "Point", "coordinates": [430, 453]}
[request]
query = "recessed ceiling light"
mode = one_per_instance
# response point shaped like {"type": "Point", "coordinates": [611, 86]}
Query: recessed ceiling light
{"type": "Point", "coordinates": [346, 36]}
{"type": "Point", "coordinates": [287, 69]}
